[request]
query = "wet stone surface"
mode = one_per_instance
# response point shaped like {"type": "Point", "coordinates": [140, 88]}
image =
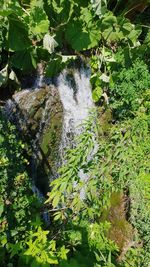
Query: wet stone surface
{"type": "Point", "coordinates": [38, 114]}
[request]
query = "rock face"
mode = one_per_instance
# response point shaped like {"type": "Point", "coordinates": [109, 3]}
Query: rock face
{"type": "Point", "coordinates": [38, 114]}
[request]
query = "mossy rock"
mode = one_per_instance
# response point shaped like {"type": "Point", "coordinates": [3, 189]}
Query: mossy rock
{"type": "Point", "coordinates": [121, 231]}
{"type": "Point", "coordinates": [105, 120]}
{"type": "Point", "coordinates": [38, 114]}
{"type": "Point", "coordinates": [51, 137]}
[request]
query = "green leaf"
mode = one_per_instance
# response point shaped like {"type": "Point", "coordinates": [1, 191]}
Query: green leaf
{"type": "Point", "coordinates": [53, 67]}
{"type": "Point", "coordinates": [57, 217]}
{"type": "Point", "coordinates": [110, 28]}
{"type": "Point", "coordinates": [11, 7]}
{"type": "Point", "coordinates": [63, 253]}
{"type": "Point", "coordinates": [105, 78]}
{"type": "Point", "coordinates": [86, 15]}
{"type": "Point", "coordinates": [81, 38]}
{"type": "Point", "coordinates": [39, 23]}
{"type": "Point", "coordinates": [134, 34]}
{"type": "Point", "coordinates": [17, 36]}
{"type": "Point", "coordinates": [97, 93]}
{"type": "Point", "coordinates": [13, 77]}
{"type": "Point", "coordinates": [56, 200]}
{"type": "Point", "coordinates": [34, 3]}
{"type": "Point", "coordinates": [109, 21]}
{"type": "Point", "coordinates": [14, 232]}
{"type": "Point", "coordinates": [24, 60]}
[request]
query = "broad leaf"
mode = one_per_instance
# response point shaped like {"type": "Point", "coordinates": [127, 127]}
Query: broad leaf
{"type": "Point", "coordinates": [24, 60]}
{"type": "Point", "coordinates": [110, 28]}
{"type": "Point", "coordinates": [86, 15]}
{"type": "Point", "coordinates": [105, 78]}
{"type": "Point", "coordinates": [134, 34]}
{"type": "Point", "coordinates": [81, 38]}
{"type": "Point", "coordinates": [13, 77]}
{"type": "Point", "coordinates": [39, 23]}
{"type": "Point", "coordinates": [109, 21]}
{"type": "Point", "coordinates": [17, 36]}
{"type": "Point", "coordinates": [34, 3]}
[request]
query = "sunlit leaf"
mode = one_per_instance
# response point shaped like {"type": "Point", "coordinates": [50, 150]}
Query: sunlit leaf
{"type": "Point", "coordinates": [81, 38]}
{"type": "Point", "coordinates": [97, 93]}
{"type": "Point", "coordinates": [39, 23]}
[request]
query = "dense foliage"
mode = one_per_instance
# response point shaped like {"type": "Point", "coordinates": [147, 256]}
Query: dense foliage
{"type": "Point", "coordinates": [32, 31]}
{"type": "Point", "coordinates": [23, 240]}
{"type": "Point", "coordinates": [121, 163]}
{"type": "Point", "coordinates": [105, 221]}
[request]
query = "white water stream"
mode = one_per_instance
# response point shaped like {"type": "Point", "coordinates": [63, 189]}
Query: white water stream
{"type": "Point", "coordinates": [76, 97]}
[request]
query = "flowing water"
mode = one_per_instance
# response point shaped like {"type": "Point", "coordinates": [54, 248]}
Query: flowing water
{"type": "Point", "coordinates": [75, 94]}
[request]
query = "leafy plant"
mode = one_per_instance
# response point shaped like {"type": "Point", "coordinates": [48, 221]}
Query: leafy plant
{"type": "Point", "coordinates": [30, 29]}
{"type": "Point", "coordinates": [115, 166]}
{"type": "Point", "coordinates": [23, 239]}
{"type": "Point", "coordinates": [128, 87]}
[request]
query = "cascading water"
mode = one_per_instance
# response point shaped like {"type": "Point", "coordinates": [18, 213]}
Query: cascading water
{"type": "Point", "coordinates": [75, 94]}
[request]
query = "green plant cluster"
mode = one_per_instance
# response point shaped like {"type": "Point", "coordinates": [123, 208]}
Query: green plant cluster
{"type": "Point", "coordinates": [54, 31]}
{"type": "Point", "coordinates": [23, 238]}
{"type": "Point", "coordinates": [129, 89]}
{"type": "Point", "coordinates": [120, 164]}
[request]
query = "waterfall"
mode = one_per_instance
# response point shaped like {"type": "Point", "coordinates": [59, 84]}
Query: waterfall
{"type": "Point", "coordinates": [75, 94]}
{"type": "Point", "coordinates": [74, 91]}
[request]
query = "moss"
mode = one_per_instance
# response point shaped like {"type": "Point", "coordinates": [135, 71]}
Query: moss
{"type": "Point", "coordinates": [51, 137]}
{"type": "Point", "coordinates": [105, 120]}
{"type": "Point", "coordinates": [121, 231]}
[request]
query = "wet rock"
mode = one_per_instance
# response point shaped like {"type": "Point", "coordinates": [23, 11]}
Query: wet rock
{"type": "Point", "coordinates": [38, 114]}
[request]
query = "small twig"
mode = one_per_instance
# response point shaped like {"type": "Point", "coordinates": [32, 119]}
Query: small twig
{"type": "Point", "coordinates": [26, 11]}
